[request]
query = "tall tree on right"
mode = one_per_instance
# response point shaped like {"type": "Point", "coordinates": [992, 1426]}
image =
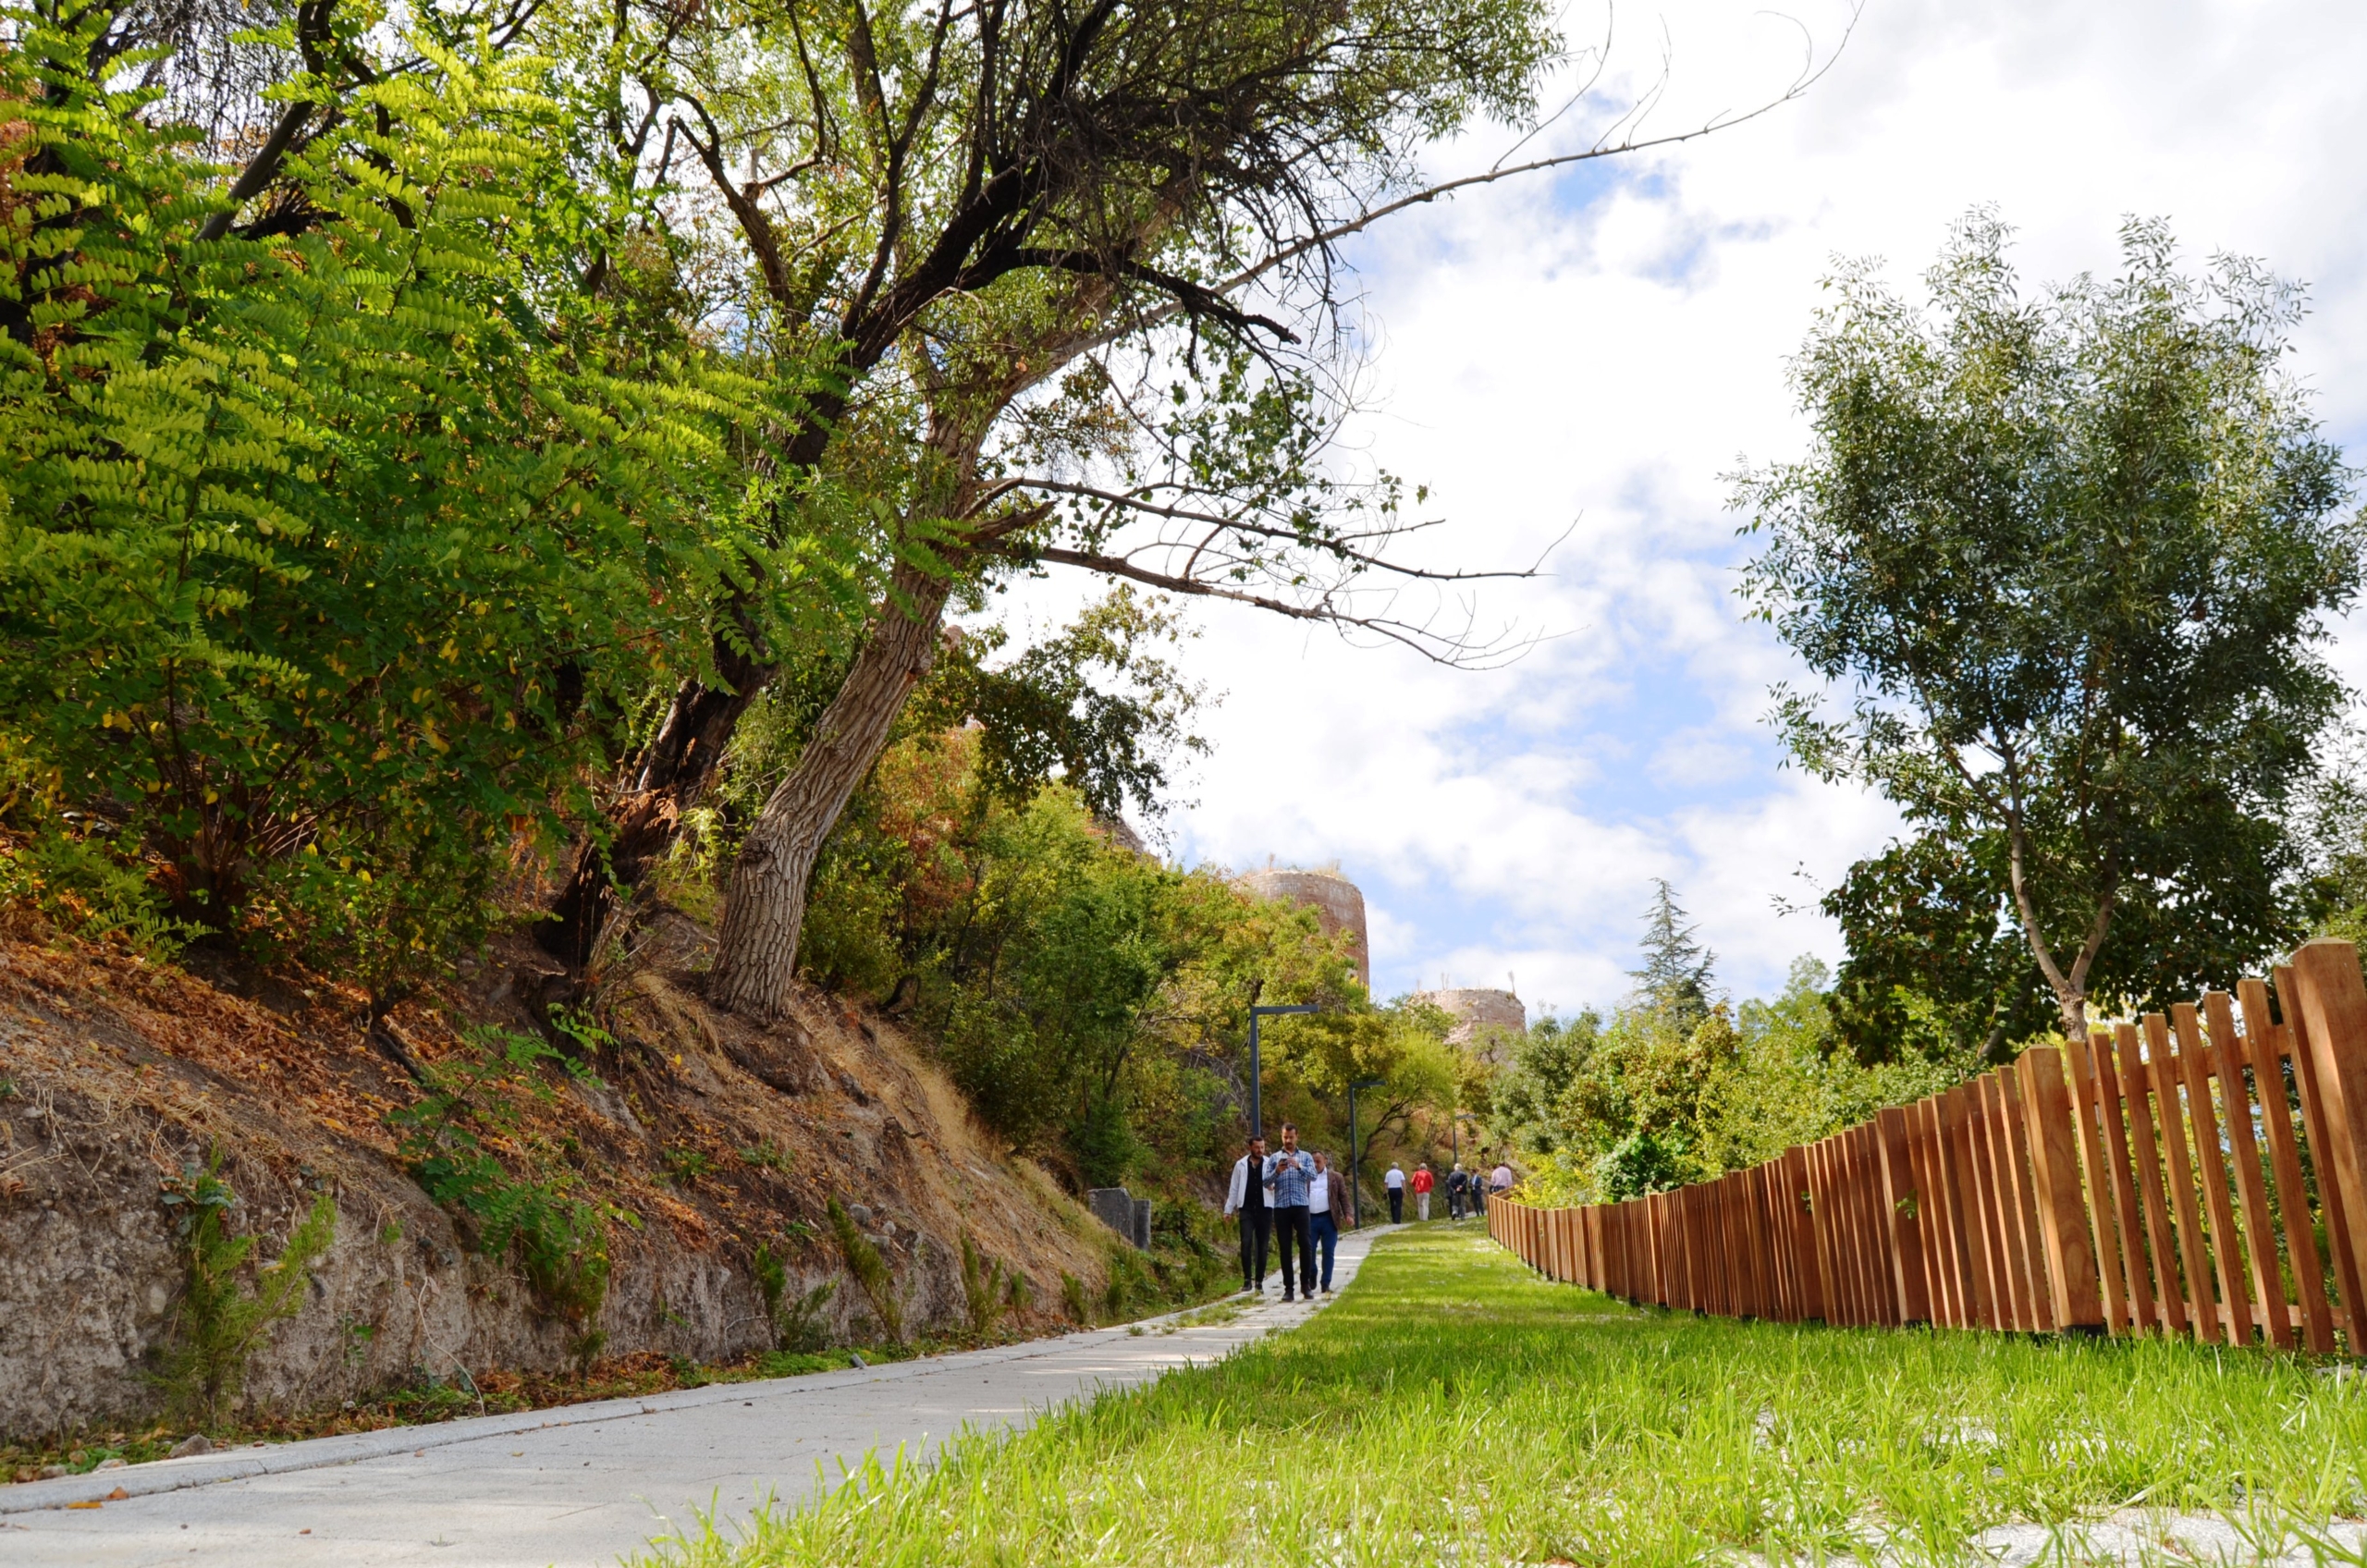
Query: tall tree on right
{"type": "Point", "coordinates": [2069, 558]}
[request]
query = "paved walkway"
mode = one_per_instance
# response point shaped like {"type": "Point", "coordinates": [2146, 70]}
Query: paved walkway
{"type": "Point", "coordinates": [586, 1484]}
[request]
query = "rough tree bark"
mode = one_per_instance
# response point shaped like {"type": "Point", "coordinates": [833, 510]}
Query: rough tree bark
{"type": "Point", "coordinates": [764, 908]}
{"type": "Point", "coordinates": [668, 778]}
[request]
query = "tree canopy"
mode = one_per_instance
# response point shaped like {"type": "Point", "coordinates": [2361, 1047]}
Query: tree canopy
{"type": "Point", "coordinates": [2069, 559]}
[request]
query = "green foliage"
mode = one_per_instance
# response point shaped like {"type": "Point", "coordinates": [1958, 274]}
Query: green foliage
{"type": "Point", "coordinates": [1656, 1096]}
{"type": "Point", "coordinates": [1089, 1002]}
{"type": "Point", "coordinates": [1073, 1298]}
{"type": "Point", "coordinates": [334, 549]}
{"type": "Point", "coordinates": [2070, 558]}
{"type": "Point", "coordinates": [986, 1288]}
{"type": "Point", "coordinates": [870, 1271]}
{"type": "Point", "coordinates": [1094, 706]}
{"type": "Point", "coordinates": [796, 1319]}
{"type": "Point", "coordinates": [221, 1320]}
{"type": "Point", "coordinates": [1676, 975]}
{"type": "Point", "coordinates": [561, 1241]}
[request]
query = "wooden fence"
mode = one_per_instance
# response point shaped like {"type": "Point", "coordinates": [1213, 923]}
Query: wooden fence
{"type": "Point", "coordinates": [2188, 1173]}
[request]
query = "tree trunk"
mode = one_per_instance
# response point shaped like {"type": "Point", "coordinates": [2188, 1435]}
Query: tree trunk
{"type": "Point", "coordinates": [667, 779]}
{"type": "Point", "coordinates": [763, 907]}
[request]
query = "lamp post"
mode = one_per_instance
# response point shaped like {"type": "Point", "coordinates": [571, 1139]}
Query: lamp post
{"type": "Point", "coordinates": [1356, 1151]}
{"type": "Point", "coordinates": [1257, 1079]}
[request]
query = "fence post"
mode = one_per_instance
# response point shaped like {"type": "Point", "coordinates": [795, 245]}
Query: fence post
{"type": "Point", "coordinates": [2055, 1167]}
{"type": "Point", "coordinates": [2334, 1014]}
{"type": "Point", "coordinates": [1902, 1207]}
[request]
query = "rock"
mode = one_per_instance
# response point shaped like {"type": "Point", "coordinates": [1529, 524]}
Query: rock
{"type": "Point", "coordinates": [110, 1464]}
{"type": "Point", "coordinates": [856, 1356]}
{"type": "Point", "coordinates": [190, 1446]}
{"type": "Point", "coordinates": [54, 1472]}
{"type": "Point", "coordinates": [860, 1214]}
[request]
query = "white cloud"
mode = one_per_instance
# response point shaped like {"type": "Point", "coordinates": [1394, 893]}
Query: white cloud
{"type": "Point", "coordinates": [1548, 362]}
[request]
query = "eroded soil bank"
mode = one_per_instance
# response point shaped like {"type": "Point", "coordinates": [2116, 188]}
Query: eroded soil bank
{"type": "Point", "coordinates": [702, 1136]}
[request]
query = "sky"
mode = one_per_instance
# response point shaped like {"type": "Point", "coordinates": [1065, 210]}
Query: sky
{"type": "Point", "coordinates": [1594, 353]}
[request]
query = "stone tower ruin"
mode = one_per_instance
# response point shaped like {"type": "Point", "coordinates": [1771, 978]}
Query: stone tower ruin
{"type": "Point", "coordinates": [1337, 903]}
{"type": "Point", "coordinates": [1482, 1018]}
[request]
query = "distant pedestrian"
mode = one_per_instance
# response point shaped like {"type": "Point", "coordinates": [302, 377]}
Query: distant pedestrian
{"type": "Point", "coordinates": [1328, 1215]}
{"type": "Point", "coordinates": [1395, 1183]}
{"type": "Point", "coordinates": [1499, 1181]}
{"type": "Point", "coordinates": [1458, 1190]}
{"type": "Point", "coordinates": [1289, 1170]}
{"type": "Point", "coordinates": [1423, 1183]}
{"type": "Point", "coordinates": [1246, 1198]}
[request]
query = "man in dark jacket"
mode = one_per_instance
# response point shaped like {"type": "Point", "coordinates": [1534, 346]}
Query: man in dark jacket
{"type": "Point", "coordinates": [1458, 1188]}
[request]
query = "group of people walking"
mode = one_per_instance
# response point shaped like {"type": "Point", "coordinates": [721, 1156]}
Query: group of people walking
{"type": "Point", "coordinates": [1294, 1201]}
{"type": "Point", "coordinates": [1298, 1202]}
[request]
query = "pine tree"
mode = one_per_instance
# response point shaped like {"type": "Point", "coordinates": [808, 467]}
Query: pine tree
{"type": "Point", "coordinates": [1676, 975]}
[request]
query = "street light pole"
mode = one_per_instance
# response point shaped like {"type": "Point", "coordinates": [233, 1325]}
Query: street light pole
{"type": "Point", "coordinates": [1257, 1079]}
{"type": "Point", "coordinates": [1356, 1151]}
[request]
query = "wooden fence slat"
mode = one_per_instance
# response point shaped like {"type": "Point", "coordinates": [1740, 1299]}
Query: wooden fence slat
{"type": "Point", "coordinates": [2333, 1014]}
{"type": "Point", "coordinates": [1899, 1209]}
{"type": "Point", "coordinates": [2262, 1039]}
{"type": "Point", "coordinates": [2004, 1309]}
{"type": "Point", "coordinates": [2054, 1170]}
{"type": "Point", "coordinates": [2228, 1058]}
{"type": "Point", "coordinates": [2103, 1226]}
{"type": "Point", "coordinates": [2202, 1312]}
{"type": "Point", "coordinates": [1948, 1215]}
{"type": "Point", "coordinates": [1879, 1235]}
{"type": "Point", "coordinates": [2169, 1296]}
{"type": "Point", "coordinates": [2218, 1211]}
{"type": "Point", "coordinates": [1964, 1196]}
{"type": "Point", "coordinates": [2033, 1252]}
{"type": "Point", "coordinates": [2113, 1109]}
{"type": "Point", "coordinates": [2293, 1036]}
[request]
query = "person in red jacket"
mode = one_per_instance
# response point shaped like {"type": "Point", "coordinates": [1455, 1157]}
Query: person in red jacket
{"type": "Point", "coordinates": [1423, 1183]}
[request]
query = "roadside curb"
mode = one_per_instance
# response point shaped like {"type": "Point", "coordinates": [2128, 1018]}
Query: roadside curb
{"type": "Point", "coordinates": [160, 1476]}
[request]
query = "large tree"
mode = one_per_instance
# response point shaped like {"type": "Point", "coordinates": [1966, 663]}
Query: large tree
{"type": "Point", "coordinates": [1073, 268]}
{"type": "Point", "coordinates": [2070, 555]}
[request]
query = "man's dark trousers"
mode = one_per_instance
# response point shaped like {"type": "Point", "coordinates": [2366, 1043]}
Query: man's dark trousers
{"type": "Point", "coordinates": [1397, 1206]}
{"type": "Point", "coordinates": [1256, 1224]}
{"type": "Point", "coordinates": [1290, 1225]}
{"type": "Point", "coordinates": [1327, 1242]}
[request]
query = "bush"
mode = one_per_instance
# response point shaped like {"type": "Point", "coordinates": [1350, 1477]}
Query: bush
{"type": "Point", "coordinates": [562, 1241]}
{"type": "Point", "coordinates": [220, 1322]}
{"type": "Point", "coordinates": [870, 1271]}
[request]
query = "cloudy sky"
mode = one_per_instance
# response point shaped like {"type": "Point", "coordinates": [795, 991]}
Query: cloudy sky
{"type": "Point", "coordinates": [1594, 351]}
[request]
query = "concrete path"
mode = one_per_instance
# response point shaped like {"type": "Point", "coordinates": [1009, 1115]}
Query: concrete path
{"type": "Point", "coordinates": [585, 1484]}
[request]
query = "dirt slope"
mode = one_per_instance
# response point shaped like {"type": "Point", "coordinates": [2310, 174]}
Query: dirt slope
{"type": "Point", "coordinates": [708, 1135]}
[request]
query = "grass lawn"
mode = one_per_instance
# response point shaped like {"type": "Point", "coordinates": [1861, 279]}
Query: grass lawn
{"type": "Point", "coordinates": [1452, 1408]}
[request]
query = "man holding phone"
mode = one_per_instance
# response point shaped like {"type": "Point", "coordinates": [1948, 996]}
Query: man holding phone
{"type": "Point", "coordinates": [1290, 1171]}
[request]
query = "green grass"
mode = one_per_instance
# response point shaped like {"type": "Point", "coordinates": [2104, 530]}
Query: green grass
{"type": "Point", "coordinates": [1452, 1408]}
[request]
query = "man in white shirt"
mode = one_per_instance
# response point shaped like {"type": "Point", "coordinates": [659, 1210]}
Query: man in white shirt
{"type": "Point", "coordinates": [1247, 1197]}
{"type": "Point", "coordinates": [1395, 1183]}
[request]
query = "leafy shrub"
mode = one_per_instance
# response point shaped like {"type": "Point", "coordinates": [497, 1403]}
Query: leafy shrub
{"type": "Point", "coordinates": [562, 1241]}
{"type": "Point", "coordinates": [220, 1322]}
{"type": "Point", "coordinates": [870, 1271]}
{"type": "Point", "coordinates": [1073, 1296]}
{"type": "Point", "coordinates": [986, 1288]}
{"type": "Point", "coordinates": [330, 556]}
{"type": "Point", "coordinates": [796, 1320]}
